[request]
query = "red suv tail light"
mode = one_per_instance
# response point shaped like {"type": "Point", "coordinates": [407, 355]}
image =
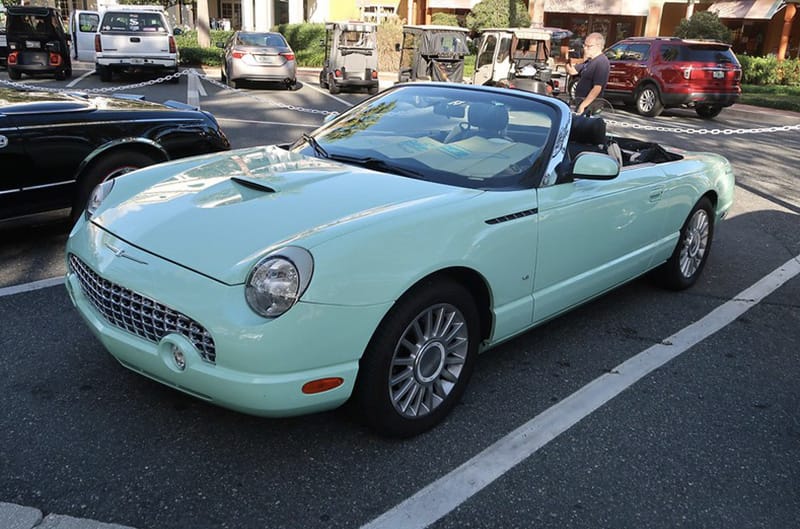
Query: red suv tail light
{"type": "Point", "coordinates": [55, 59]}
{"type": "Point", "coordinates": [12, 57]}
{"type": "Point", "coordinates": [288, 56]}
{"type": "Point", "coordinates": [172, 47]}
{"type": "Point", "coordinates": [98, 45]}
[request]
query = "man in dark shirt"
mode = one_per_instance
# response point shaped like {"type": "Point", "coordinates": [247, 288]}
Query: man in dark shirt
{"type": "Point", "coordinates": [593, 71]}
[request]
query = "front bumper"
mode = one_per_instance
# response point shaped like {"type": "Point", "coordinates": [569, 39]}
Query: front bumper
{"type": "Point", "coordinates": [260, 366]}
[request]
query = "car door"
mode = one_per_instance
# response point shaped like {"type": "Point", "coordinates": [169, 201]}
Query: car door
{"type": "Point", "coordinates": [53, 146]}
{"type": "Point", "coordinates": [11, 158]}
{"type": "Point", "coordinates": [83, 27]}
{"type": "Point", "coordinates": [484, 64]}
{"type": "Point", "coordinates": [594, 235]}
{"type": "Point", "coordinates": [629, 65]}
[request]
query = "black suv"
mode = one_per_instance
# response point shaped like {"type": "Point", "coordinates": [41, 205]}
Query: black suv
{"type": "Point", "coordinates": [654, 73]}
{"type": "Point", "coordinates": [37, 42]}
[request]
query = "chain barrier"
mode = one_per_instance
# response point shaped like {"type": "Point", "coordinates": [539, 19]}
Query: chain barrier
{"type": "Point", "coordinates": [176, 75]}
{"type": "Point", "coordinates": [278, 104]}
{"type": "Point", "coordinates": [701, 132]}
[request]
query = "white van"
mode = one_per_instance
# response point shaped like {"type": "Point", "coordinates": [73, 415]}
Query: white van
{"type": "Point", "coordinates": [129, 37]}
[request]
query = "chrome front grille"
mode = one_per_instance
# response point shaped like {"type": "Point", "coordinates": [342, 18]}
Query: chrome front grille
{"type": "Point", "coordinates": [139, 314]}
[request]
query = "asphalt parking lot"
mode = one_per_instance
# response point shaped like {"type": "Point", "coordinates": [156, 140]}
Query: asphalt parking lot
{"type": "Point", "coordinates": [548, 435]}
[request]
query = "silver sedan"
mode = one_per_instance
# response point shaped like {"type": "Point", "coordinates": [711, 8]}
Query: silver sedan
{"type": "Point", "coordinates": [259, 56]}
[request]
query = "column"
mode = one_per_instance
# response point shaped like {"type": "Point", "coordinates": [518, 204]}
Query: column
{"type": "Point", "coordinates": [248, 20]}
{"type": "Point", "coordinates": [295, 11]}
{"type": "Point", "coordinates": [265, 15]}
{"type": "Point", "coordinates": [788, 17]}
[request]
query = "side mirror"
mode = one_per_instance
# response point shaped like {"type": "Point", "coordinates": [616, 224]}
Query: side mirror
{"type": "Point", "coordinates": [595, 166]}
{"type": "Point", "coordinates": [177, 31]}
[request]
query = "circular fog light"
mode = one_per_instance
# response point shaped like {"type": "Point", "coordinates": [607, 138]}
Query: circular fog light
{"type": "Point", "coordinates": [177, 356]}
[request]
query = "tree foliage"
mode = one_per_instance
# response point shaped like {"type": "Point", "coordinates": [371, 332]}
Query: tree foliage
{"type": "Point", "coordinates": [444, 19]}
{"type": "Point", "coordinates": [498, 14]}
{"type": "Point", "coordinates": [164, 3]}
{"type": "Point", "coordinates": [704, 25]}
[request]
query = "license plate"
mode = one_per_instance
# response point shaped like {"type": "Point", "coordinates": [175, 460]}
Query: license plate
{"type": "Point", "coordinates": [3, 41]}
{"type": "Point", "coordinates": [33, 44]}
{"type": "Point", "coordinates": [265, 59]}
{"type": "Point", "coordinates": [718, 74]}
{"type": "Point", "coordinates": [137, 61]}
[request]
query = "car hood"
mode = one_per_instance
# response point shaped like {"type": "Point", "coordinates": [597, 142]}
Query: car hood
{"type": "Point", "coordinates": [222, 214]}
{"type": "Point", "coordinates": [14, 101]}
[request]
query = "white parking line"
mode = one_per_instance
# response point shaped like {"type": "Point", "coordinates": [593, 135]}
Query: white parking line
{"type": "Point", "coordinates": [79, 79]}
{"type": "Point", "coordinates": [448, 492]}
{"type": "Point", "coordinates": [27, 287]}
{"type": "Point", "coordinates": [325, 92]}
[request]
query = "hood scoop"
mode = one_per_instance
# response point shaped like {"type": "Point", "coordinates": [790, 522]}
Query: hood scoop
{"type": "Point", "coordinates": [252, 183]}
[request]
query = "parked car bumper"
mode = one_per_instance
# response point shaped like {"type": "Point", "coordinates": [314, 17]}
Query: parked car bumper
{"type": "Point", "coordinates": [150, 63]}
{"type": "Point", "coordinates": [697, 98]}
{"type": "Point", "coordinates": [260, 366]}
{"type": "Point", "coordinates": [241, 71]}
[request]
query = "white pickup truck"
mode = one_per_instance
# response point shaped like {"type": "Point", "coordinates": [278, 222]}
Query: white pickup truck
{"type": "Point", "coordinates": [132, 38]}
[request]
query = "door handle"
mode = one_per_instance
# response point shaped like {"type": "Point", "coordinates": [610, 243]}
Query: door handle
{"type": "Point", "coordinates": [656, 194]}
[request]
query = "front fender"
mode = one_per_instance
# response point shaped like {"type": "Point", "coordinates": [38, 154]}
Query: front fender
{"type": "Point", "coordinates": [151, 146]}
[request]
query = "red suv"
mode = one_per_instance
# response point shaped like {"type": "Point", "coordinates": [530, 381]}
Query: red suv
{"type": "Point", "coordinates": [655, 73]}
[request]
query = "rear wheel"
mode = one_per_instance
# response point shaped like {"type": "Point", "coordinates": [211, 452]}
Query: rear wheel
{"type": "Point", "coordinates": [109, 166]}
{"type": "Point", "coordinates": [708, 111]}
{"type": "Point", "coordinates": [333, 88]}
{"type": "Point", "coordinates": [232, 83]}
{"type": "Point", "coordinates": [322, 82]}
{"type": "Point", "coordinates": [105, 73]}
{"type": "Point", "coordinates": [691, 253]}
{"type": "Point", "coordinates": [648, 101]}
{"type": "Point", "coordinates": [14, 74]}
{"type": "Point", "coordinates": [419, 361]}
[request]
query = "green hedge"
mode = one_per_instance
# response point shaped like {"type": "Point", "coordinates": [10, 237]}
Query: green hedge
{"type": "Point", "coordinates": [191, 52]}
{"type": "Point", "coordinates": [768, 71]}
{"type": "Point", "coordinates": [306, 41]}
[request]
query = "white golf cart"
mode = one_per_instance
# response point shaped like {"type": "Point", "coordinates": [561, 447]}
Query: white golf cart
{"type": "Point", "coordinates": [351, 57]}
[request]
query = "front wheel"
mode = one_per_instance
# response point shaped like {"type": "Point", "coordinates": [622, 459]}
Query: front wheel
{"type": "Point", "coordinates": [419, 361]}
{"type": "Point", "coordinates": [691, 253]}
{"type": "Point", "coordinates": [648, 101]}
{"type": "Point", "coordinates": [108, 166]}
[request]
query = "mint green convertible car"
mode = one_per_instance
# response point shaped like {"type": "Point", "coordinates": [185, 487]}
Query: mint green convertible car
{"type": "Point", "coordinates": [375, 258]}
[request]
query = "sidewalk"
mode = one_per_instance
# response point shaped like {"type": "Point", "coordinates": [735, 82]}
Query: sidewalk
{"type": "Point", "coordinates": [14, 516]}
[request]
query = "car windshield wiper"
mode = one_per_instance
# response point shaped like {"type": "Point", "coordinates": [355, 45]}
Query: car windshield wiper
{"type": "Point", "coordinates": [319, 149]}
{"type": "Point", "coordinates": [379, 164]}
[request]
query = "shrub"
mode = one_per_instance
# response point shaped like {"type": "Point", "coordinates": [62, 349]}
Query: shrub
{"type": "Point", "coordinates": [307, 42]}
{"type": "Point", "coordinates": [191, 52]}
{"type": "Point", "coordinates": [496, 14]}
{"type": "Point", "coordinates": [390, 33]}
{"type": "Point", "coordinates": [704, 25]}
{"type": "Point", "coordinates": [768, 71]}
{"type": "Point", "coordinates": [444, 19]}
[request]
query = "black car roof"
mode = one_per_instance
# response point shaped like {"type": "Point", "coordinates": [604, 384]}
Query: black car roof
{"type": "Point", "coordinates": [30, 10]}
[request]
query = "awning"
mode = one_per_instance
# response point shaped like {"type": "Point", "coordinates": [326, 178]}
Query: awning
{"type": "Point", "coordinates": [635, 8]}
{"type": "Point", "coordinates": [747, 9]}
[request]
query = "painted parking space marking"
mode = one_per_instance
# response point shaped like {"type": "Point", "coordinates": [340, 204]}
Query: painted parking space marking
{"type": "Point", "coordinates": [325, 92]}
{"type": "Point", "coordinates": [448, 492]}
{"type": "Point", "coordinates": [79, 79]}
{"type": "Point", "coordinates": [28, 287]}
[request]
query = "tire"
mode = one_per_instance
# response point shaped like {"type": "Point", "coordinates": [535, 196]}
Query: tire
{"type": "Point", "coordinates": [14, 74]}
{"type": "Point", "coordinates": [708, 111]}
{"type": "Point", "coordinates": [691, 253]}
{"type": "Point", "coordinates": [293, 86]}
{"type": "Point", "coordinates": [232, 83]}
{"type": "Point", "coordinates": [333, 88]}
{"type": "Point", "coordinates": [322, 83]}
{"type": "Point", "coordinates": [111, 165]}
{"type": "Point", "coordinates": [648, 101]}
{"type": "Point", "coordinates": [60, 75]}
{"type": "Point", "coordinates": [105, 73]}
{"type": "Point", "coordinates": [222, 76]}
{"type": "Point", "coordinates": [428, 345]}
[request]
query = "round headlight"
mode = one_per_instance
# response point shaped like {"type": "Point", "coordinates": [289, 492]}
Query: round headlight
{"type": "Point", "coordinates": [277, 281]}
{"type": "Point", "coordinates": [99, 194]}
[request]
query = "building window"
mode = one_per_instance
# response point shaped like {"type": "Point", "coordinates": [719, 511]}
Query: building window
{"type": "Point", "coordinates": [232, 11]}
{"type": "Point", "coordinates": [376, 13]}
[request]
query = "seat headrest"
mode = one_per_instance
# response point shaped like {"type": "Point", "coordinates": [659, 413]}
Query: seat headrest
{"type": "Point", "coordinates": [588, 130]}
{"type": "Point", "coordinates": [488, 117]}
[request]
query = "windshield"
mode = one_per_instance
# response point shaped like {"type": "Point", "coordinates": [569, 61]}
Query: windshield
{"type": "Point", "coordinates": [456, 136]}
{"type": "Point", "coordinates": [356, 39]}
{"type": "Point", "coordinates": [31, 25]}
{"type": "Point", "coordinates": [134, 22]}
